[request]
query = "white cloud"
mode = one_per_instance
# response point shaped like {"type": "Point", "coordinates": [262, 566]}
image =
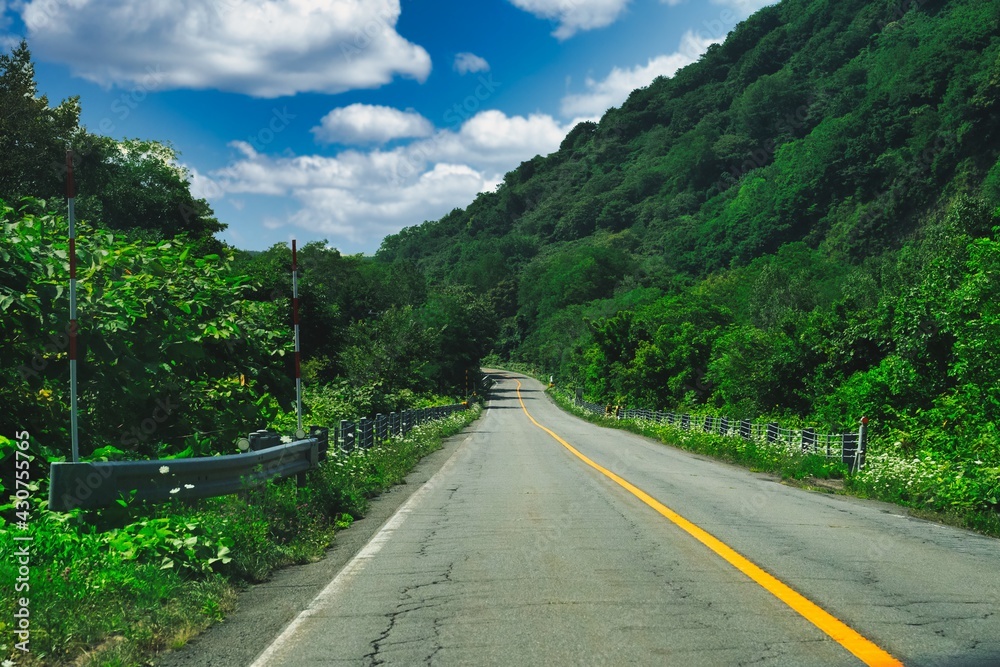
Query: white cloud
{"type": "Point", "coordinates": [357, 197]}
{"type": "Point", "coordinates": [574, 16]}
{"type": "Point", "coordinates": [616, 86]}
{"type": "Point", "coordinates": [470, 62]}
{"type": "Point", "coordinates": [370, 124]}
{"type": "Point", "coordinates": [491, 139]}
{"type": "Point", "coordinates": [265, 48]}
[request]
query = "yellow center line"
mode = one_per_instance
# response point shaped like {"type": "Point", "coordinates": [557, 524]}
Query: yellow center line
{"type": "Point", "coordinates": [864, 649]}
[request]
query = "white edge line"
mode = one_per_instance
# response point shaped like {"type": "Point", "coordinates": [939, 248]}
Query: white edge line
{"type": "Point", "coordinates": [354, 566]}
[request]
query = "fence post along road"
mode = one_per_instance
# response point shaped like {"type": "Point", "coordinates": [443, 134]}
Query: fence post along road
{"type": "Point", "coordinates": [850, 447]}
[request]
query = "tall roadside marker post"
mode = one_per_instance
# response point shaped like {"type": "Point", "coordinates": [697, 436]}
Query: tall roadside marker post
{"type": "Point", "coordinates": [70, 203]}
{"type": "Point", "coordinates": [300, 433]}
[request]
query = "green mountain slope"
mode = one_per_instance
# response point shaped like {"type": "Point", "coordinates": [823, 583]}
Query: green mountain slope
{"type": "Point", "coordinates": [799, 224]}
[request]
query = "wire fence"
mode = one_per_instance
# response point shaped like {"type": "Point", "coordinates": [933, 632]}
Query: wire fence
{"type": "Point", "coordinates": [364, 433]}
{"type": "Point", "coordinates": [849, 447]}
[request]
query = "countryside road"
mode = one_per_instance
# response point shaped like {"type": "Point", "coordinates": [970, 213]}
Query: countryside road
{"type": "Point", "coordinates": [517, 552]}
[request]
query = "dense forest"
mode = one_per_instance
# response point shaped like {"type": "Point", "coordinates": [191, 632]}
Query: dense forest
{"type": "Point", "coordinates": [802, 224]}
{"type": "Point", "coordinates": [186, 343]}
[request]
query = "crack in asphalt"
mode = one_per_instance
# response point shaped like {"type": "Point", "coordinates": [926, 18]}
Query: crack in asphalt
{"type": "Point", "coordinates": [423, 602]}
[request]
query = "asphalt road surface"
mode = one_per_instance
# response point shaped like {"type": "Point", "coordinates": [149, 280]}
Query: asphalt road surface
{"type": "Point", "coordinates": [579, 545]}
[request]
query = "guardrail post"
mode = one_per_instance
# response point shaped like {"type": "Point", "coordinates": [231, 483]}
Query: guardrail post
{"type": "Point", "coordinates": [724, 426]}
{"type": "Point", "coordinates": [364, 428]}
{"type": "Point", "coordinates": [255, 439]}
{"type": "Point", "coordinates": [380, 427]}
{"type": "Point", "coordinates": [808, 440]}
{"type": "Point", "coordinates": [862, 443]}
{"type": "Point", "coordinates": [263, 439]}
{"type": "Point", "coordinates": [772, 432]}
{"type": "Point", "coordinates": [708, 425]}
{"type": "Point", "coordinates": [849, 450]}
{"type": "Point", "coordinates": [686, 422]}
{"type": "Point", "coordinates": [346, 436]}
{"type": "Point", "coordinates": [746, 429]}
{"type": "Point", "coordinates": [322, 435]}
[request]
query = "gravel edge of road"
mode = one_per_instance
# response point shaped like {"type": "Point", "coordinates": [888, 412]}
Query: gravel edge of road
{"type": "Point", "coordinates": [263, 610]}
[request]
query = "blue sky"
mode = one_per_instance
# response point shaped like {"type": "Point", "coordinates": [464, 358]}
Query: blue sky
{"type": "Point", "coordinates": [347, 120]}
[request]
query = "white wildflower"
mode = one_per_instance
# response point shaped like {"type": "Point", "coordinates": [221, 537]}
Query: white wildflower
{"type": "Point", "coordinates": [176, 489]}
{"type": "Point", "coordinates": [286, 439]}
{"type": "Point", "coordinates": [164, 470]}
{"type": "Point", "coordinates": [189, 486]}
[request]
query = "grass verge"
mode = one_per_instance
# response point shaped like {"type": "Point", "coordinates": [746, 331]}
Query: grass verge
{"type": "Point", "coordinates": [118, 587]}
{"type": "Point", "coordinates": [931, 491]}
{"type": "Point", "coordinates": [754, 454]}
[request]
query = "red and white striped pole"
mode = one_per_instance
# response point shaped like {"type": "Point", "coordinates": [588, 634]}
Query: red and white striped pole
{"type": "Point", "coordinates": [70, 200]}
{"type": "Point", "coordinates": [300, 433]}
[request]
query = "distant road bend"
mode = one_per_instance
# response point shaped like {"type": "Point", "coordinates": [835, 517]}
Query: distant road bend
{"type": "Point", "coordinates": [545, 540]}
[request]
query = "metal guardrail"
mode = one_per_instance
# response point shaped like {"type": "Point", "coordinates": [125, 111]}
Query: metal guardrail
{"type": "Point", "coordinates": [850, 447]}
{"type": "Point", "coordinates": [100, 484]}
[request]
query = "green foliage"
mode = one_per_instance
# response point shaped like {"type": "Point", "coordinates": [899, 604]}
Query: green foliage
{"type": "Point", "coordinates": [167, 346]}
{"type": "Point", "coordinates": [376, 324]}
{"type": "Point", "coordinates": [124, 595]}
{"type": "Point", "coordinates": [391, 347]}
{"type": "Point", "coordinates": [132, 186]}
{"type": "Point", "coordinates": [171, 542]}
{"type": "Point", "coordinates": [33, 135]}
{"type": "Point", "coordinates": [756, 454]}
{"type": "Point", "coordinates": [138, 187]}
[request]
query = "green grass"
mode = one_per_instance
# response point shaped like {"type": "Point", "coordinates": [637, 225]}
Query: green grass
{"type": "Point", "coordinates": [119, 596]}
{"type": "Point", "coordinates": [754, 454]}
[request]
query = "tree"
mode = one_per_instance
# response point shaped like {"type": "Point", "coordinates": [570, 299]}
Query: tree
{"type": "Point", "coordinates": [391, 349]}
{"type": "Point", "coordinates": [132, 186]}
{"type": "Point", "coordinates": [34, 137]}
{"type": "Point", "coordinates": [136, 185]}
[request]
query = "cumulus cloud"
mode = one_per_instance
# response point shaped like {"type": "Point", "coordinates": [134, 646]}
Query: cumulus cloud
{"type": "Point", "coordinates": [493, 140]}
{"type": "Point", "coordinates": [359, 196]}
{"type": "Point", "coordinates": [370, 124]}
{"type": "Point", "coordinates": [264, 48]}
{"type": "Point", "coordinates": [470, 62]}
{"type": "Point", "coordinates": [574, 16]}
{"type": "Point", "coordinates": [614, 89]}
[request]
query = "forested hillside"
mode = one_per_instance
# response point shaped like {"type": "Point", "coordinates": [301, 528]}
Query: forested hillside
{"type": "Point", "coordinates": [801, 224]}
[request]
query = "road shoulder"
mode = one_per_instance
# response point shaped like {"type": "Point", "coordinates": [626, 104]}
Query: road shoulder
{"type": "Point", "coordinates": [263, 610]}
